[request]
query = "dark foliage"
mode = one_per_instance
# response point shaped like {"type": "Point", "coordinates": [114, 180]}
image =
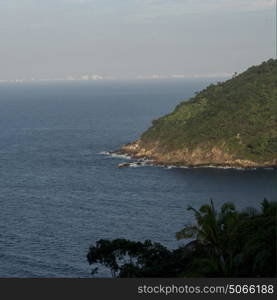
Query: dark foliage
{"type": "Point", "coordinates": [227, 243]}
{"type": "Point", "coordinates": [238, 244]}
{"type": "Point", "coordinates": [126, 258]}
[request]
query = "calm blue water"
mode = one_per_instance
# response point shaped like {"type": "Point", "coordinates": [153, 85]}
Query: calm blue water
{"type": "Point", "coordinates": [58, 194]}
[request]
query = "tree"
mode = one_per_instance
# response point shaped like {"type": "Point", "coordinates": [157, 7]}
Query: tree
{"type": "Point", "coordinates": [237, 243]}
{"type": "Point", "coordinates": [127, 258]}
{"type": "Point", "coordinates": [227, 243]}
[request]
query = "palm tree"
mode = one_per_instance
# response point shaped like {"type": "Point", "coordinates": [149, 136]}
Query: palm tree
{"type": "Point", "coordinates": [235, 243]}
{"type": "Point", "coordinates": [213, 230]}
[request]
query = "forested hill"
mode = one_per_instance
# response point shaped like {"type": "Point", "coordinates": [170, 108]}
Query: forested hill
{"type": "Point", "coordinates": [232, 123]}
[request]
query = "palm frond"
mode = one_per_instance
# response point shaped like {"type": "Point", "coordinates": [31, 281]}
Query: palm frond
{"type": "Point", "coordinates": [187, 232]}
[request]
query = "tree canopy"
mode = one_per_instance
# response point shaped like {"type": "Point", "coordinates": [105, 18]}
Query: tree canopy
{"type": "Point", "coordinates": [238, 116]}
{"type": "Point", "coordinates": [226, 243]}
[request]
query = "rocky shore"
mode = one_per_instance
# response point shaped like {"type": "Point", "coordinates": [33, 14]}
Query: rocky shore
{"type": "Point", "coordinates": [198, 157]}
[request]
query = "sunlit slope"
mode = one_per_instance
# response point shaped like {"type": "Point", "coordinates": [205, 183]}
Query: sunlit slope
{"type": "Point", "coordinates": [230, 123]}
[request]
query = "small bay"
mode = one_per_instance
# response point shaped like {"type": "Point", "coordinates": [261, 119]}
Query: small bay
{"type": "Point", "coordinates": [59, 193]}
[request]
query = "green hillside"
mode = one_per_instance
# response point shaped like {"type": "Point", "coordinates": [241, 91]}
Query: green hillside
{"type": "Point", "coordinates": [238, 117]}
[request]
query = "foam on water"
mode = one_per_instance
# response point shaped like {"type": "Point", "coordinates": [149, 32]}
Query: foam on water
{"type": "Point", "coordinates": [115, 155]}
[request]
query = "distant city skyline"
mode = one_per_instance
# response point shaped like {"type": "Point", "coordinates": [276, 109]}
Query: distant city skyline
{"type": "Point", "coordinates": [143, 39]}
{"type": "Point", "coordinates": [86, 77]}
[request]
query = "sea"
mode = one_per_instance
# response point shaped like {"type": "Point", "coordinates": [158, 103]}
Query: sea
{"type": "Point", "coordinates": [60, 190]}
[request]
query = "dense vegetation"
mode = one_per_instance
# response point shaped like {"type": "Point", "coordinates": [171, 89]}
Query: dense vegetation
{"type": "Point", "coordinates": [227, 243]}
{"type": "Point", "coordinates": [238, 116]}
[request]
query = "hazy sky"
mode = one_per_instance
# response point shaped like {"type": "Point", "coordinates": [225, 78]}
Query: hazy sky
{"type": "Point", "coordinates": [127, 38]}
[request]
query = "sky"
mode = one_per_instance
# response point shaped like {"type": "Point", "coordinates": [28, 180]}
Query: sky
{"type": "Point", "coordinates": [134, 38]}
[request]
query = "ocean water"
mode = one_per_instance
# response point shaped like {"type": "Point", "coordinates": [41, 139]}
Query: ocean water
{"type": "Point", "coordinates": [59, 193]}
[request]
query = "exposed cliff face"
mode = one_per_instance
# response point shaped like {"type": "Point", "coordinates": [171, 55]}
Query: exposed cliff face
{"type": "Point", "coordinates": [197, 157]}
{"type": "Point", "coordinates": [229, 124]}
